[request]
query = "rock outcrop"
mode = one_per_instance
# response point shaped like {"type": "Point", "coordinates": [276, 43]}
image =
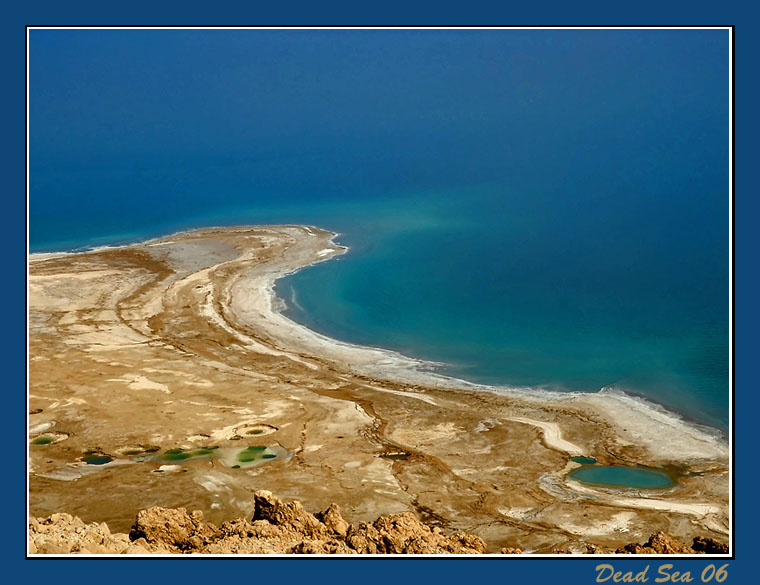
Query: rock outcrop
{"type": "Point", "coordinates": [709, 546]}
{"type": "Point", "coordinates": [63, 534]}
{"type": "Point", "coordinates": [404, 534]}
{"type": "Point", "coordinates": [658, 544]}
{"type": "Point", "coordinates": [663, 544]}
{"type": "Point", "coordinates": [173, 530]}
{"type": "Point", "coordinates": [278, 527]}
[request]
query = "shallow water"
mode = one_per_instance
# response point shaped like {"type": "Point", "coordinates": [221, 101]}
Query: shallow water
{"type": "Point", "coordinates": [97, 459]}
{"type": "Point", "coordinates": [563, 307]}
{"type": "Point", "coordinates": [523, 206]}
{"type": "Point", "coordinates": [229, 456]}
{"type": "Point", "coordinates": [622, 477]}
{"type": "Point", "coordinates": [584, 460]}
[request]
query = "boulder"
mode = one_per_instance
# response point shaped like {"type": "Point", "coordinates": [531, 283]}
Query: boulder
{"type": "Point", "coordinates": [709, 546]}
{"type": "Point", "coordinates": [289, 515]}
{"type": "Point", "coordinates": [333, 520]}
{"type": "Point", "coordinates": [172, 528]}
{"type": "Point", "coordinates": [405, 534]}
{"type": "Point", "coordinates": [658, 543]}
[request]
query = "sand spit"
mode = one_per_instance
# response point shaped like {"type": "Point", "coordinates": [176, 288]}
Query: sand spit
{"type": "Point", "coordinates": [179, 343]}
{"type": "Point", "coordinates": [552, 436]}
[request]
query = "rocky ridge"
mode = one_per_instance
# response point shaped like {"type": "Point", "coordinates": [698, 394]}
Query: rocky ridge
{"type": "Point", "coordinates": [278, 527]}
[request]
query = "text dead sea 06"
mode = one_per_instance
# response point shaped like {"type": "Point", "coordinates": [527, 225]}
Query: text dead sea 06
{"type": "Point", "coordinates": [665, 573]}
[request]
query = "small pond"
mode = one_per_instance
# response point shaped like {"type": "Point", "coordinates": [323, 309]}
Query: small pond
{"type": "Point", "coordinates": [584, 460]}
{"type": "Point", "coordinates": [619, 476]}
{"type": "Point", "coordinates": [97, 459]}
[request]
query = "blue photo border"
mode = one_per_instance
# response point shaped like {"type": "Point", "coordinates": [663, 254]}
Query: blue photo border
{"type": "Point", "coordinates": [570, 570]}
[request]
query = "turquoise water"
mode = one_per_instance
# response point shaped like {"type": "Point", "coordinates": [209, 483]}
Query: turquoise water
{"type": "Point", "coordinates": [584, 460]}
{"type": "Point", "coordinates": [530, 208]}
{"type": "Point", "coordinates": [619, 476]}
{"type": "Point", "coordinates": [506, 288]}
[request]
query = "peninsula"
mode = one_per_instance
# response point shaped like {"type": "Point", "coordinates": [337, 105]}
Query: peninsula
{"type": "Point", "coordinates": [165, 374]}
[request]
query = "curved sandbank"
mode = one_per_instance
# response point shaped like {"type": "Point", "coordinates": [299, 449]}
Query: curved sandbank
{"type": "Point", "coordinates": [180, 343]}
{"type": "Point", "coordinates": [252, 299]}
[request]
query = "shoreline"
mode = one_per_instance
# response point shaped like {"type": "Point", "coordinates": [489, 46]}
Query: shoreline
{"type": "Point", "coordinates": [394, 366]}
{"type": "Point", "coordinates": [198, 309]}
{"type": "Point", "coordinates": [391, 365]}
{"type": "Point", "coordinates": [434, 370]}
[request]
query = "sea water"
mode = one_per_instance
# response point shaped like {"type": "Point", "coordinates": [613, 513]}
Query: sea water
{"type": "Point", "coordinates": [529, 208]}
{"type": "Point", "coordinates": [533, 297]}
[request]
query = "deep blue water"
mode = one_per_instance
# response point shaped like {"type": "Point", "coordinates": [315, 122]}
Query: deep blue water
{"type": "Point", "coordinates": [542, 208]}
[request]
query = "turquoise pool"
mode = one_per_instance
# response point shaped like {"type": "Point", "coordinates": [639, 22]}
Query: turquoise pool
{"type": "Point", "coordinates": [622, 477]}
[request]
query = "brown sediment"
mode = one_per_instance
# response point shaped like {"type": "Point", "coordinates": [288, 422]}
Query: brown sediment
{"type": "Point", "coordinates": [175, 343]}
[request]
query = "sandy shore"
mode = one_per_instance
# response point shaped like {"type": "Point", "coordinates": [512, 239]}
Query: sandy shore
{"type": "Point", "coordinates": [179, 343]}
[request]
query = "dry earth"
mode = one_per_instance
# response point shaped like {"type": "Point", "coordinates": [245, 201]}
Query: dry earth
{"type": "Point", "coordinates": [177, 344]}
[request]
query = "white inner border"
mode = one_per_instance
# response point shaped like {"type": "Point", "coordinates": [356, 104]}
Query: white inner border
{"type": "Point", "coordinates": [730, 231]}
